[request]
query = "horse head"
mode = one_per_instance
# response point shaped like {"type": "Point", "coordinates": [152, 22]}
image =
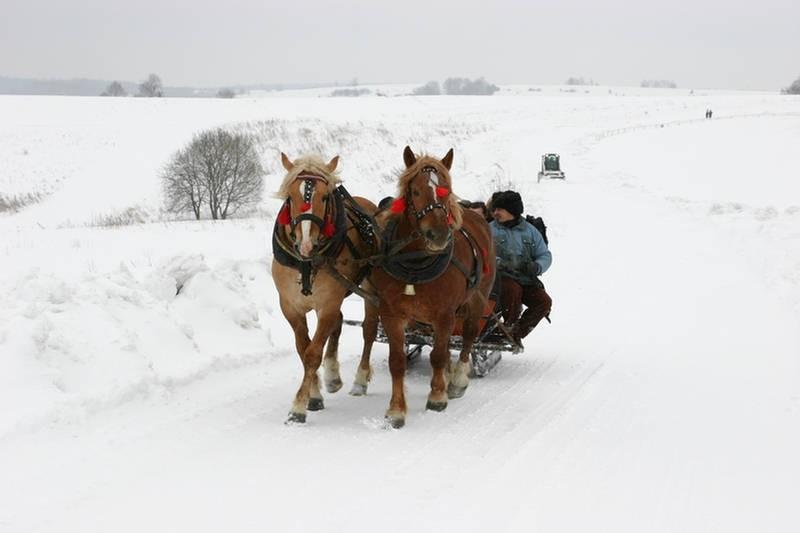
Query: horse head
{"type": "Point", "coordinates": [426, 198]}
{"type": "Point", "coordinates": [307, 212]}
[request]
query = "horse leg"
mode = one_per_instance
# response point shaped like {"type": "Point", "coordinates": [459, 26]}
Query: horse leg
{"type": "Point", "coordinates": [369, 330]}
{"type": "Point", "coordinates": [395, 330]}
{"type": "Point", "coordinates": [330, 364]}
{"type": "Point", "coordinates": [298, 322]}
{"type": "Point", "coordinates": [459, 376]}
{"type": "Point", "coordinates": [315, 401]}
{"type": "Point", "coordinates": [440, 360]}
{"type": "Point", "coordinates": [308, 395]}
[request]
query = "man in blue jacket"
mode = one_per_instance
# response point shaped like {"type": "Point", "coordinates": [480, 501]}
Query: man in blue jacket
{"type": "Point", "coordinates": [522, 256]}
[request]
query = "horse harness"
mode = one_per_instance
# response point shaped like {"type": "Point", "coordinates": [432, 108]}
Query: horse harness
{"type": "Point", "coordinates": [333, 227]}
{"type": "Point", "coordinates": [422, 266]}
{"type": "Point", "coordinates": [413, 267]}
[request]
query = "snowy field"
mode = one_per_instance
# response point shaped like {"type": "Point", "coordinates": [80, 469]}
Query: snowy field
{"type": "Point", "coordinates": [665, 395]}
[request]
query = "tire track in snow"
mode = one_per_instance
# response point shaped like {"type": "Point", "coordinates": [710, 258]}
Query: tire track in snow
{"type": "Point", "coordinates": [587, 143]}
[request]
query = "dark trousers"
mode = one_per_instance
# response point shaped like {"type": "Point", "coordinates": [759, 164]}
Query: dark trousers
{"type": "Point", "coordinates": [535, 298]}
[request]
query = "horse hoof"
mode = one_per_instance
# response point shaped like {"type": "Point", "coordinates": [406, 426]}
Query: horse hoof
{"type": "Point", "coordinates": [296, 418]}
{"type": "Point", "coordinates": [455, 392]}
{"type": "Point", "coordinates": [395, 422]}
{"type": "Point", "coordinates": [358, 390]}
{"type": "Point", "coordinates": [436, 406]}
{"type": "Point", "coordinates": [333, 386]}
{"type": "Point", "coordinates": [315, 404]}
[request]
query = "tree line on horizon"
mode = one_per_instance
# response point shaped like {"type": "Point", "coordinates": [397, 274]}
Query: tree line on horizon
{"type": "Point", "coordinates": [153, 87]}
{"type": "Point", "coordinates": [462, 86]}
{"type": "Point", "coordinates": [794, 88]}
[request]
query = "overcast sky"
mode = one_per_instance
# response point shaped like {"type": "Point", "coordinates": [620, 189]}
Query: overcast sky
{"type": "Point", "coordinates": [696, 43]}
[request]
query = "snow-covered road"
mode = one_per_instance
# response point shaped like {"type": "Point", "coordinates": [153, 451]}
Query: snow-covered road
{"type": "Point", "coordinates": [665, 395]}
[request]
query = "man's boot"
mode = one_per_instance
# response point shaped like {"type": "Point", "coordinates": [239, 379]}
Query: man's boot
{"type": "Point", "coordinates": [517, 338]}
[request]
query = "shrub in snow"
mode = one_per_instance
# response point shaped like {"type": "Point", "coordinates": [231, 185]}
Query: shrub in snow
{"type": "Point", "coordinates": [15, 202]}
{"type": "Point", "coordinates": [226, 93]}
{"type": "Point", "coordinates": [126, 217]}
{"type": "Point", "coordinates": [218, 169]}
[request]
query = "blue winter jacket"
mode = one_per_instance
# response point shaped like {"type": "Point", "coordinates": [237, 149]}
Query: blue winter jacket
{"type": "Point", "coordinates": [521, 251]}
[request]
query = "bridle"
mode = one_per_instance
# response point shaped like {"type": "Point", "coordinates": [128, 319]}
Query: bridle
{"type": "Point", "coordinates": [332, 225]}
{"type": "Point", "coordinates": [441, 192]}
{"type": "Point", "coordinates": [325, 223]}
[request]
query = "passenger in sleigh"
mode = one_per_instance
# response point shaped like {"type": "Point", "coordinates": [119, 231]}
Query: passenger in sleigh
{"type": "Point", "coordinates": [522, 256]}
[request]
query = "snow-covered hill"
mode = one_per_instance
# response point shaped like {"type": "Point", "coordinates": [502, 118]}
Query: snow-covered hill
{"type": "Point", "coordinates": [665, 396]}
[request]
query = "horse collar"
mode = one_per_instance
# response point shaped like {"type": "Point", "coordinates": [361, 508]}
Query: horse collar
{"type": "Point", "coordinates": [413, 267]}
{"type": "Point", "coordinates": [286, 255]}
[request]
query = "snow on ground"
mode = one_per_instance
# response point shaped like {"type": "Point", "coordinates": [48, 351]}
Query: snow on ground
{"type": "Point", "coordinates": [146, 370]}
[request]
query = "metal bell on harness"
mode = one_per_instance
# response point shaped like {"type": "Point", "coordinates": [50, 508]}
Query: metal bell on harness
{"type": "Point", "coordinates": [409, 290]}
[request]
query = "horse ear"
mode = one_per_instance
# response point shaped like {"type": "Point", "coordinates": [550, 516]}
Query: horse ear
{"type": "Point", "coordinates": [333, 164]}
{"type": "Point", "coordinates": [447, 160]}
{"type": "Point", "coordinates": [409, 157]}
{"type": "Point", "coordinates": [288, 165]}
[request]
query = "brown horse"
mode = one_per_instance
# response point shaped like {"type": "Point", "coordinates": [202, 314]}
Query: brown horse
{"type": "Point", "coordinates": [316, 243]}
{"type": "Point", "coordinates": [439, 267]}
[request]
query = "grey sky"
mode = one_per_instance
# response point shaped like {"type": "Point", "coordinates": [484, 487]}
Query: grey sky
{"type": "Point", "coordinates": [703, 43]}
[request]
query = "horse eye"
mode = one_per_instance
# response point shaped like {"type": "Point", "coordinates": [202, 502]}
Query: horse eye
{"type": "Point", "coordinates": [415, 192]}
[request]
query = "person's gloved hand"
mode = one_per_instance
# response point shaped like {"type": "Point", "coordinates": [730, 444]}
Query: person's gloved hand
{"type": "Point", "coordinates": [533, 269]}
{"type": "Point", "coordinates": [502, 266]}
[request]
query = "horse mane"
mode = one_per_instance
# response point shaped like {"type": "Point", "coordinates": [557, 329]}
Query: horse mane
{"type": "Point", "coordinates": [312, 164]}
{"type": "Point", "coordinates": [427, 161]}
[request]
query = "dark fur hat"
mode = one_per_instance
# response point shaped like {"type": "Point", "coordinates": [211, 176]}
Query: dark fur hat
{"type": "Point", "coordinates": [511, 201]}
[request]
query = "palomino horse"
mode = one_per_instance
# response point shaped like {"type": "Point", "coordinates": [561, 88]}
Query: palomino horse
{"type": "Point", "coordinates": [438, 266]}
{"type": "Point", "coordinates": [320, 233]}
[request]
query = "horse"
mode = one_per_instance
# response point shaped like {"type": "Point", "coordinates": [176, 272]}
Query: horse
{"type": "Point", "coordinates": [438, 267]}
{"type": "Point", "coordinates": [319, 235]}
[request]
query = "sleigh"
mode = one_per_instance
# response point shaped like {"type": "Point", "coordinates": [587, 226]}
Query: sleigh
{"type": "Point", "coordinates": [494, 339]}
{"type": "Point", "coordinates": [551, 168]}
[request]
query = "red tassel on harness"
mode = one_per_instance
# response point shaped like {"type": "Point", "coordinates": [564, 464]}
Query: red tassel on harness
{"type": "Point", "coordinates": [328, 230]}
{"type": "Point", "coordinates": [399, 205]}
{"type": "Point", "coordinates": [305, 207]}
{"type": "Point", "coordinates": [441, 192]}
{"type": "Point", "coordinates": [284, 217]}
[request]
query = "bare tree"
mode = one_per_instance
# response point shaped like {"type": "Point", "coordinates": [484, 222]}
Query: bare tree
{"type": "Point", "coordinates": [659, 84]}
{"type": "Point", "coordinates": [478, 86]}
{"type": "Point", "coordinates": [572, 80]}
{"type": "Point", "coordinates": [151, 87]}
{"type": "Point", "coordinates": [218, 168]}
{"type": "Point", "coordinates": [115, 88]}
{"type": "Point", "coordinates": [226, 93]}
{"type": "Point", "coordinates": [183, 183]}
{"type": "Point", "coordinates": [430, 88]}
